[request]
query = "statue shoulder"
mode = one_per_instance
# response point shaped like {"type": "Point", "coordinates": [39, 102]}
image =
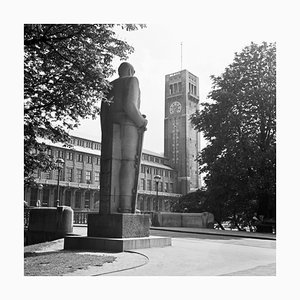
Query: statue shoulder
{"type": "Point", "coordinates": [132, 80]}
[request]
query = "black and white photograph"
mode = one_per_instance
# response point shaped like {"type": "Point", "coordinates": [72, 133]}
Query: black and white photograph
{"type": "Point", "coordinates": [149, 143]}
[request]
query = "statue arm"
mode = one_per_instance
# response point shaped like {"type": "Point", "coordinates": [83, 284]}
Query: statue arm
{"type": "Point", "coordinates": [130, 103]}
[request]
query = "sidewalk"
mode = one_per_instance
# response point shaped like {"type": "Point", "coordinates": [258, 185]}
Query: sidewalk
{"type": "Point", "coordinates": [194, 252]}
{"type": "Point", "coordinates": [81, 229]}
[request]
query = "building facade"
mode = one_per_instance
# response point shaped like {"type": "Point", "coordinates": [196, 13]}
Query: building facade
{"type": "Point", "coordinates": [79, 182]}
{"type": "Point", "coordinates": [181, 141]}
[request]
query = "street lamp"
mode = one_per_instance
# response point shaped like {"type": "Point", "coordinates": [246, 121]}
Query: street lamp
{"type": "Point", "coordinates": [39, 201]}
{"type": "Point", "coordinates": [59, 162]}
{"type": "Point", "coordinates": [157, 179]}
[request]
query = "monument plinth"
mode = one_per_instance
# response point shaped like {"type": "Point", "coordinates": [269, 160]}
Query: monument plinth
{"type": "Point", "coordinates": [117, 226]}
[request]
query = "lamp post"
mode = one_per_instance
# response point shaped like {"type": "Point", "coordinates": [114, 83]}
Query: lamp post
{"type": "Point", "coordinates": [157, 179]}
{"type": "Point", "coordinates": [59, 162]}
{"type": "Point", "coordinates": [39, 201]}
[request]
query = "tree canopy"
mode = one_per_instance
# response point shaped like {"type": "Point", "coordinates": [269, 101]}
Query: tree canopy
{"type": "Point", "coordinates": [66, 67]}
{"type": "Point", "coordinates": [239, 124]}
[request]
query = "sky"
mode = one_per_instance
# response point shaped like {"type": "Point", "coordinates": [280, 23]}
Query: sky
{"type": "Point", "coordinates": [205, 51]}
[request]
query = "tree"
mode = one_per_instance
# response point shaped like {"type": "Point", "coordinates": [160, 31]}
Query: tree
{"type": "Point", "coordinates": [191, 202]}
{"type": "Point", "coordinates": [239, 124]}
{"type": "Point", "coordinates": [66, 68]}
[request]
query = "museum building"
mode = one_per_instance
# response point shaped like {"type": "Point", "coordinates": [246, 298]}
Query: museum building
{"type": "Point", "coordinates": [79, 182]}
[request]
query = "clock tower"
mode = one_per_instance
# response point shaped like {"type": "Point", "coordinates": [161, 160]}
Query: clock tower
{"type": "Point", "coordinates": [181, 141]}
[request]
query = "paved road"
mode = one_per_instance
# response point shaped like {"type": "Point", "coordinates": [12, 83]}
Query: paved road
{"type": "Point", "coordinates": [193, 254]}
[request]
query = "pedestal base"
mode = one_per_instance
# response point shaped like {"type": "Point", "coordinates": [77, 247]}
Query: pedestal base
{"type": "Point", "coordinates": [118, 225]}
{"type": "Point", "coordinates": [114, 244]}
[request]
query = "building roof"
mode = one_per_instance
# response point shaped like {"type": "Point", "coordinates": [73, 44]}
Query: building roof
{"type": "Point", "coordinates": [155, 164]}
{"type": "Point", "coordinates": [74, 147]}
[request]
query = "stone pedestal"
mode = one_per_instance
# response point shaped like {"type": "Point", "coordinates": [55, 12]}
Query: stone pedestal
{"type": "Point", "coordinates": [49, 223]}
{"type": "Point", "coordinates": [116, 233]}
{"type": "Point", "coordinates": [118, 225]}
{"type": "Point", "coordinates": [114, 244]}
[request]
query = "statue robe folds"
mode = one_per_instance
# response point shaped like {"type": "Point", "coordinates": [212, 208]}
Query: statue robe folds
{"type": "Point", "coordinates": [122, 127]}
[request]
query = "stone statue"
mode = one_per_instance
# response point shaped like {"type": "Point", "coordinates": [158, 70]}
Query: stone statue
{"type": "Point", "coordinates": [122, 127]}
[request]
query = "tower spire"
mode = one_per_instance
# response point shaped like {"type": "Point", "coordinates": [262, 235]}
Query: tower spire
{"type": "Point", "coordinates": [181, 56]}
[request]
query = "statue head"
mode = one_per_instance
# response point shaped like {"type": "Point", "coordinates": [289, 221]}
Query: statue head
{"type": "Point", "coordinates": [126, 69]}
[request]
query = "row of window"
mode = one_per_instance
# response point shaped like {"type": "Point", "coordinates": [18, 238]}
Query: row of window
{"type": "Point", "coordinates": [192, 89]}
{"type": "Point", "coordinates": [175, 88]}
{"type": "Point", "coordinates": [156, 171]}
{"type": "Point", "coordinates": [81, 176]}
{"type": "Point", "coordinates": [86, 144]}
{"type": "Point", "coordinates": [79, 157]}
{"type": "Point", "coordinates": [151, 186]}
{"type": "Point", "coordinates": [152, 158]}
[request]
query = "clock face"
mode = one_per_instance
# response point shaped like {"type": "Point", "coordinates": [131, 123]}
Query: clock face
{"type": "Point", "coordinates": [175, 107]}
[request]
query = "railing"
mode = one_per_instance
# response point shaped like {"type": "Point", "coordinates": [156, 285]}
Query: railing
{"type": "Point", "coordinates": [80, 217]}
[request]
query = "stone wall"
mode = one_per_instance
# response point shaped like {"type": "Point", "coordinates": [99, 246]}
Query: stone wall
{"type": "Point", "coordinates": [193, 220]}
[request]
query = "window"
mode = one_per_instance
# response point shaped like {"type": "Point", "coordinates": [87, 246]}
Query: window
{"type": "Point", "coordinates": [97, 176]}
{"type": "Point", "coordinates": [79, 175]}
{"type": "Point", "coordinates": [175, 87]}
{"type": "Point", "coordinates": [149, 185]}
{"type": "Point", "coordinates": [143, 169]}
{"type": "Point", "coordinates": [49, 151]}
{"type": "Point", "coordinates": [161, 185]}
{"type": "Point", "coordinates": [78, 199]}
{"type": "Point", "coordinates": [151, 158]}
{"type": "Point", "coordinates": [149, 171]}
{"type": "Point", "coordinates": [60, 154]}
{"type": "Point", "coordinates": [88, 144]}
{"type": "Point", "coordinates": [171, 188]}
{"type": "Point", "coordinates": [98, 161]}
{"type": "Point", "coordinates": [68, 198]}
{"type": "Point", "coordinates": [69, 174]}
{"type": "Point", "coordinates": [80, 143]}
{"type": "Point", "coordinates": [156, 159]}
{"type": "Point", "coordinates": [97, 146]}
{"type": "Point", "coordinates": [69, 156]}
{"type": "Point", "coordinates": [166, 187]}
{"type": "Point", "coordinates": [87, 200]}
{"type": "Point", "coordinates": [154, 186]}
{"type": "Point", "coordinates": [46, 175]}
{"type": "Point", "coordinates": [55, 174]}
{"type": "Point", "coordinates": [79, 157]}
{"type": "Point", "coordinates": [88, 176]}
{"type": "Point", "coordinates": [89, 159]}
{"type": "Point", "coordinates": [142, 184]}
{"type": "Point", "coordinates": [179, 86]}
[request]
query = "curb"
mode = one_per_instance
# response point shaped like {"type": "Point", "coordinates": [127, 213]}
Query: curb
{"type": "Point", "coordinates": [238, 234]}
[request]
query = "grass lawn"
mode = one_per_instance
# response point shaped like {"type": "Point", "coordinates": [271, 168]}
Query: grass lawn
{"type": "Point", "coordinates": [57, 263]}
